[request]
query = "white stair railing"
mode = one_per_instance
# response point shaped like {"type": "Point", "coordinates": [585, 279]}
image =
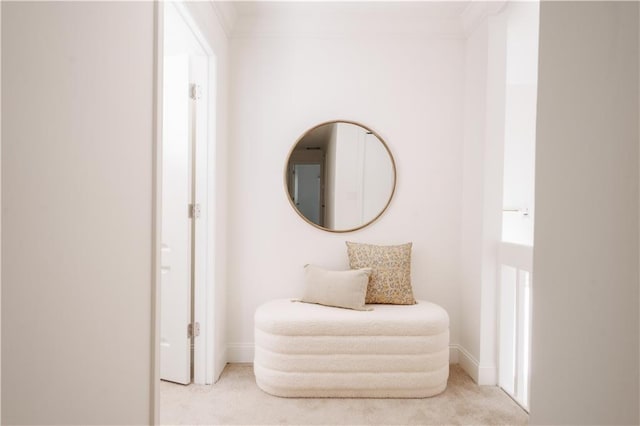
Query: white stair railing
{"type": "Point", "coordinates": [516, 265]}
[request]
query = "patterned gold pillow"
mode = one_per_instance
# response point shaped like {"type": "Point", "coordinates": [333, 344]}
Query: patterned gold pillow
{"type": "Point", "coordinates": [390, 280]}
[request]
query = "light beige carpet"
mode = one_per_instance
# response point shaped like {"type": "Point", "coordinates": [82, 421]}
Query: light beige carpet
{"type": "Point", "coordinates": [236, 399]}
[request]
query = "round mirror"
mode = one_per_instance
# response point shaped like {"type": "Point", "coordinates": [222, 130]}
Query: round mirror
{"type": "Point", "coordinates": [340, 176]}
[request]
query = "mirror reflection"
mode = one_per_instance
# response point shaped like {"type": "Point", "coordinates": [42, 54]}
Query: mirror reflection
{"type": "Point", "coordinates": [340, 176]}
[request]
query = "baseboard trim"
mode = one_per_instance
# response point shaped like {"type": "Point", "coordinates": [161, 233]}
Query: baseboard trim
{"type": "Point", "coordinates": [454, 354]}
{"type": "Point", "coordinates": [240, 352]}
{"type": "Point", "coordinates": [243, 353]}
{"type": "Point", "coordinates": [468, 363]}
{"type": "Point", "coordinates": [483, 375]}
{"type": "Point", "coordinates": [487, 376]}
{"type": "Point", "coordinates": [220, 363]}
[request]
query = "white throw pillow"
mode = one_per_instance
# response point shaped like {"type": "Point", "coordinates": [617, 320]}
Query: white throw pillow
{"type": "Point", "coordinates": [342, 289]}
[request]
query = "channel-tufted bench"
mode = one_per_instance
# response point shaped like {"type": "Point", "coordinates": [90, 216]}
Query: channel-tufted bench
{"type": "Point", "coordinates": [392, 351]}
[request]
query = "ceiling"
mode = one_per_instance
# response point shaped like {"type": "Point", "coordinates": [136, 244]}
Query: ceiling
{"type": "Point", "coordinates": [431, 9]}
{"type": "Point", "coordinates": [443, 18]}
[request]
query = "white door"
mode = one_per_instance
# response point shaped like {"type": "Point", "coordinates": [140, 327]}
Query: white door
{"type": "Point", "coordinates": [176, 269]}
{"type": "Point", "coordinates": [307, 188]}
{"type": "Point", "coordinates": [199, 68]}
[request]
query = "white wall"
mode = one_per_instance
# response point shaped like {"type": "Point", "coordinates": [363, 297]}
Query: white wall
{"type": "Point", "coordinates": [351, 186]}
{"type": "Point", "coordinates": [214, 21]}
{"type": "Point", "coordinates": [0, 210]}
{"type": "Point", "coordinates": [330, 179]}
{"type": "Point", "coordinates": [347, 206]}
{"type": "Point", "coordinates": [77, 155]}
{"type": "Point", "coordinates": [500, 59]}
{"type": "Point", "coordinates": [471, 219]}
{"type": "Point", "coordinates": [520, 121]}
{"type": "Point", "coordinates": [408, 88]}
{"type": "Point", "coordinates": [585, 341]}
{"type": "Point", "coordinates": [377, 177]}
{"type": "Point", "coordinates": [481, 164]}
{"type": "Point", "coordinates": [363, 180]}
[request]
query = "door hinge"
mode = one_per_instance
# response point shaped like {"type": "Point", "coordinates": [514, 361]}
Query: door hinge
{"type": "Point", "coordinates": [193, 330]}
{"type": "Point", "coordinates": [194, 211]}
{"type": "Point", "coordinates": [196, 91]}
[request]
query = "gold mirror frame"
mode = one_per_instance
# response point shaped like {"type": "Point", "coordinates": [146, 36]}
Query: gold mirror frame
{"type": "Point", "coordinates": [286, 177]}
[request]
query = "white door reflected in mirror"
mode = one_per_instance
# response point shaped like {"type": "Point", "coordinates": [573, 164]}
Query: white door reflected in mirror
{"type": "Point", "coordinates": [307, 190]}
{"type": "Point", "coordinates": [340, 176]}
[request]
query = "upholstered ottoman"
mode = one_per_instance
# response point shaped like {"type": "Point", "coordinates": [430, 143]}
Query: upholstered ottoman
{"type": "Point", "coordinates": [393, 351]}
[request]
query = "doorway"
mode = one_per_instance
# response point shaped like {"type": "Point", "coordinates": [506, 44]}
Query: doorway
{"type": "Point", "coordinates": [186, 355]}
{"type": "Point", "coordinates": [307, 190]}
{"type": "Point", "coordinates": [515, 266]}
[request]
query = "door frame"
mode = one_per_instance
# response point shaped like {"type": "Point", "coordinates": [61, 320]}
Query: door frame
{"type": "Point", "coordinates": [204, 349]}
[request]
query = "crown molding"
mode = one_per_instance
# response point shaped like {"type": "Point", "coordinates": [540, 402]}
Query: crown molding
{"type": "Point", "coordinates": [456, 19]}
{"type": "Point", "coordinates": [227, 15]}
{"type": "Point", "coordinates": [346, 26]}
{"type": "Point", "coordinates": [477, 11]}
{"type": "Point", "coordinates": [349, 19]}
